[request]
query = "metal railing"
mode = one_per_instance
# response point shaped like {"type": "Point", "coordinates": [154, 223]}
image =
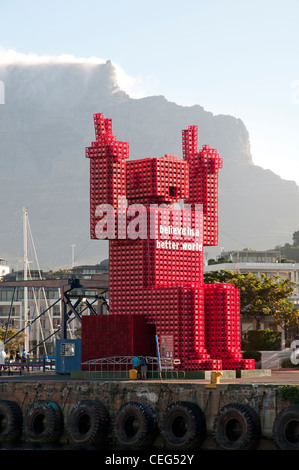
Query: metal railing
{"type": "Point", "coordinates": [118, 367]}
{"type": "Point", "coordinates": [34, 365]}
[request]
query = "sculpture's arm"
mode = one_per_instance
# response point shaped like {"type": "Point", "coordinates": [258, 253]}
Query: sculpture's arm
{"type": "Point", "coordinates": [107, 178]}
{"type": "Point", "coordinates": [204, 166]}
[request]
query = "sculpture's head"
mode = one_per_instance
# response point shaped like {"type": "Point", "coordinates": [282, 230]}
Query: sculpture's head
{"type": "Point", "coordinates": [158, 180]}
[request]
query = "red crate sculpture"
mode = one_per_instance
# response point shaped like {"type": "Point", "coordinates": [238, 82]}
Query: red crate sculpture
{"type": "Point", "coordinates": [156, 262]}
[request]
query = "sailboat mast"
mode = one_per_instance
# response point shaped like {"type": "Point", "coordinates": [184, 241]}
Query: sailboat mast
{"type": "Point", "coordinates": [25, 231]}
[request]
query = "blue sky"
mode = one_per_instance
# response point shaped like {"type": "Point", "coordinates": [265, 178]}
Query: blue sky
{"type": "Point", "coordinates": [238, 57]}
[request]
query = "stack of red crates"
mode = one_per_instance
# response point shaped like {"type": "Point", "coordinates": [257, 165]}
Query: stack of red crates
{"type": "Point", "coordinates": [116, 335]}
{"type": "Point", "coordinates": [159, 274]}
{"type": "Point", "coordinates": [107, 169]}
{"type": "Point", "coordinates": [204, 166]}
{"type": "Point", "coordinates": [190, 142]}
{"type": "Point", "coordinates": [157, 179]}
{"type": "Point", "coordinates": [222, 324]}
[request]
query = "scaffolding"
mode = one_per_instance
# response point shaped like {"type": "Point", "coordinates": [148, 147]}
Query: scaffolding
{"type": "Point", "coordinates": [72, 298]}
{"type": "Point", "coordinates": [72, 292]}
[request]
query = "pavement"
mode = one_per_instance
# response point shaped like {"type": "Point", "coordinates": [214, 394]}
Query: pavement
{"type": "Point", "coordinates": [277, 377]}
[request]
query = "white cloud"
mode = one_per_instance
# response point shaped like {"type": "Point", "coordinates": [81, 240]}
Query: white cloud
{"type": "Point", "coordinates": [10, 56]}
{"type": "Point", "coordinates": [135, 87]}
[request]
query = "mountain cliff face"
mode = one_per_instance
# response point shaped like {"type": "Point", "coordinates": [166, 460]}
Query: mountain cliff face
{"type": "Point", "coordinates": [45, 125]}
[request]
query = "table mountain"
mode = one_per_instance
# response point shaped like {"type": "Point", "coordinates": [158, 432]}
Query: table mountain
{"type": "Point", "coordinates": [45, 125]}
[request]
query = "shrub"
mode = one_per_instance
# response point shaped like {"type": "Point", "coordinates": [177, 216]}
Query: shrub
{"type": "Point", "coordinates": [289, 393]}
{"type": "Point", "coordinates": [256, 355]}
{"type": "Point", "coordinates": [263, 340]}
{"type": "Point", "coordinates": [286, 363]}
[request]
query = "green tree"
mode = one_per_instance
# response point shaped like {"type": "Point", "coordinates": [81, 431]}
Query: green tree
{"type": "Point", "coordinates": [291, 252]}
{"type": "Point", "coordinates": [14, 344]}
{"type": "Point", "coordinates": [259, 295]}
{"type": "Point", "coordinates": [296, 239]}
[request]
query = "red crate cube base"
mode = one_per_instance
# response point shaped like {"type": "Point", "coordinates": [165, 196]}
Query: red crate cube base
{"type": "Point", "coordinates": [156, 265]}
{"type": "Point", "coordinates": [118, 335]}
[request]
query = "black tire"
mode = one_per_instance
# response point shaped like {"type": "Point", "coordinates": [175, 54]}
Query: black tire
{"type": "Point", "coordinates": [237, 427]}
{"type": "Point", "coordinates": [11, 421]}
{"type": "Point", "coordinates": [134, 424]}
{"type": "Point", "coordinates": [43, 422]}
{"type": "Point", "coordinates": [183, 425]}
{"type": "Point", "coordinates": [286, 428]}
{"type": "Point", "coordinates": [88, 423]}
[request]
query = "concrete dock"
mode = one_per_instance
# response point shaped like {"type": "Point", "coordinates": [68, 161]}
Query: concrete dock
{"type": "Point", "coordinates": [258, 392]}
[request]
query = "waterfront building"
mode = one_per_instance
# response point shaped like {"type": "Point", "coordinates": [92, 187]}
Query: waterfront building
{"type": "Point", "coordinates": [258, 262]}
{"type": "Point", "coordinates": [44, 306]}
{"type": "Point", "coordinates": [4, 268]}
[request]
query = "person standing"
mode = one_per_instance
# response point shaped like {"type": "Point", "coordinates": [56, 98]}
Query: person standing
{"type": "Point", "coordinates": [24, 359]}
{"type": "Point", "coordinates": [2, 359]}
{"type": "Point", "coordinates": [136, 365]}
{"type": "Point", "coordinates": [143, 363]}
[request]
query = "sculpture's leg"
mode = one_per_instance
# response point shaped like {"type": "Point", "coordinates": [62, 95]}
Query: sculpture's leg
{"type": "Point", "coordinates": [223, 326]}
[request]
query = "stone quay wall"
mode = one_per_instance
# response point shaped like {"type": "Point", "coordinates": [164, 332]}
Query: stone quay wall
{"type": "Point", "coordinates": [114, 394]}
